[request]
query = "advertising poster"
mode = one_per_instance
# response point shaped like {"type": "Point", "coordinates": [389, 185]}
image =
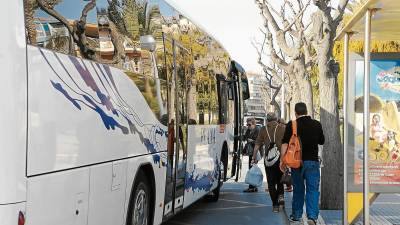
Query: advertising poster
{"type": "Point", "coordinates": [384, 141]}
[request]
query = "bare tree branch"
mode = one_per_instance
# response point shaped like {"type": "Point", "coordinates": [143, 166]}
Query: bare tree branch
{"type": "Point", "coordinates": [298, 17]}
{"type": "Point", "coordinates": [267, 69]}
{"type": "Point", "coordinates": [280, 35]}
{"type": "Point", "coordinates": [268, 16]}
{"type": "Point", "coordinates": [77, 31]}
{"type": "Point", "coordinates": [49, 10]}
{"type": "Point", "coordinates": [340, 11]}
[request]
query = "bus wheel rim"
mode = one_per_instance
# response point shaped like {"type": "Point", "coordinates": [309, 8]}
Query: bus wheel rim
{"type": "Point", "coordinates": [140, 209]}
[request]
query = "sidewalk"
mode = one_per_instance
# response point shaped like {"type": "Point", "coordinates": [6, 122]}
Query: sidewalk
{"type": "Point", "coordinates": [384, 211]}
{"type": "Point", "coordinates": [326, 217]}
{"type": "Point", "coordinates": [233, 208]}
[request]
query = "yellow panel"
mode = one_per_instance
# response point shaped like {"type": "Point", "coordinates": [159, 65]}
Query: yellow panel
{"type": "Point", "coordinates": [384, 22]}
{"type": "Point", "coordinates": [355, 205]}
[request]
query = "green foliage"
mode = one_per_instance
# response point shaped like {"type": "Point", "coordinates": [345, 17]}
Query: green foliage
{"type": "Point", "coordinates": [146, 85]}
{"type": "Point", "coordinates": [115, 15]}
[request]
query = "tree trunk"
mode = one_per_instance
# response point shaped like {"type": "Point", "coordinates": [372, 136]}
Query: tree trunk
{"type": "Point", "coordinates": [307, 95]}
{"type": "Point", "coordinates": [30, 21]}
{"type": "Point", "coordinates": [332, 172]}
{"type": "Point", "coordinates": [295, 98]}
{"type": "Point", "coordinates": [171, 101]}
{"type": "Point", "coordinates": [304, 84]}
{"type": "Point", "coordinates": [286, 116]}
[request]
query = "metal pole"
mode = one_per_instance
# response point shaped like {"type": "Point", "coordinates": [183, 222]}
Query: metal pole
{"type": "Point", "coordinates": [283, 96]}
{"type": "Point", "coordinates": [345, 124]}
{"type": "Point", "coordinates": [367, 59]}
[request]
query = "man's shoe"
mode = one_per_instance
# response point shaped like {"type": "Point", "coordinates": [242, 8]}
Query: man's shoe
{"type": "Point", "coordinates": [293, 219]}
{"type": "Point", "coordinates": [275, 209]}
{"type": "Point", "coordinates": [311, 222]}
{"type": "Point", "coordinates": [248, 190]}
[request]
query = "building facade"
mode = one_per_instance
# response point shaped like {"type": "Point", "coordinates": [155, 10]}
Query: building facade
{"type": "Point", "coordinates": [258, 104]}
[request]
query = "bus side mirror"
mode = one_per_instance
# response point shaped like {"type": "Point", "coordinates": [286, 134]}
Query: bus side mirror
{"type": "Point", "coordinates": [245, 89]}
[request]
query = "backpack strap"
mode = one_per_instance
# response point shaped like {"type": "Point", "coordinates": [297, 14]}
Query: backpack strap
{"type": "Point", "coordinates": [294, 127]}
{"type": "Point", "coordinates": [269, 138]}
{"type": "Point", "coordinates": [294, 132]}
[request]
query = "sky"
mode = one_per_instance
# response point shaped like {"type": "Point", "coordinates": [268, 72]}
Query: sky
{"type": "Point", "coordinates": [234, 23]}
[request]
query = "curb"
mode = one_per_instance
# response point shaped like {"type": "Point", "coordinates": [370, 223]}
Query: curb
{"type": "Point", "coordinates": [286, 213]}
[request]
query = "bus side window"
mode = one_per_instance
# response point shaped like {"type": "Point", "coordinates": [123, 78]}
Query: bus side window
{"type": "Point", "coordinates": [155, 94]}
{"type": "Point", "coordinates": [214, 104]}
{"type": "Point", "coordinates": [68, 33]}
{"type": "Point", "coordinates": [119, 34]}
{"type": "Point", "coordinates": [222, 99]}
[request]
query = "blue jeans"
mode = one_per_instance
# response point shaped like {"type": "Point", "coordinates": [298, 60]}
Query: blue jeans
{"type": "Point", "coordinates": [306, 179]}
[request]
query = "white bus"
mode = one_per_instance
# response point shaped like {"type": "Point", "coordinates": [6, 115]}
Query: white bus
{"type": "Point", "coordinates": [128, 118]}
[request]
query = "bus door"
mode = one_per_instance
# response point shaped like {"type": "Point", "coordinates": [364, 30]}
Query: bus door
{"type": "Point", "coordinates": [182, 73]}
{"type": "Point", "coordinates": [240, 89]}
{"type": "Point", "coordinates": [223, 99]}
{"type": "Point", "coordinates": [176, 58]}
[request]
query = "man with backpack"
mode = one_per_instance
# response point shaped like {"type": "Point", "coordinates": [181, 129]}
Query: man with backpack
{"type": "Point", "coordinates": [300, 153]}
{"type": "Point", "coordinates": [271, 137]}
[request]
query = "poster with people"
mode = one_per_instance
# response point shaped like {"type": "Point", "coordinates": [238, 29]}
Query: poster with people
{"type": "Point", "coordinates": [384, 140]}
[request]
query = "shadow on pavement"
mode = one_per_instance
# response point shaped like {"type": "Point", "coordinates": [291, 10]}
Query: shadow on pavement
{"type": "Point", "coordinates": [233, 208]}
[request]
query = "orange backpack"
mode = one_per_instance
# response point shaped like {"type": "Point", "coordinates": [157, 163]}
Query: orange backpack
{"type": "Point", "coordinates": [292, 157]}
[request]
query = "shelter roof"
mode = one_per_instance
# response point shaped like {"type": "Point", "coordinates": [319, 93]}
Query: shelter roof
{"type": "Point", "coordinates": [385, 23]}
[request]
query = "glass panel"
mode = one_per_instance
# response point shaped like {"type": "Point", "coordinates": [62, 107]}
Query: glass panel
{"type": "Point", "coordinates": [384, 123]}
{"type": "Point", "coordinates": [130, 34]}
{"type": "Point", "coordinates": [384, 140]}
{"type": "Point", "coordinates": [169, 72]}
{"type": "Point", "coordinates": [384, 149]}
{"type": "Point", "coordinates": [155, 93]}
{"type": "Point", "coordinates": [70, 27]}
{"type": "Point", "coordinates": [214, 105]}
{"type": "Point", "coordinates": [223, 101]}
{"type": "Point", "coordinates": [203, 99]}
{"type": "Point", "coordinates": [207, 97]}
{"type": "Point", "coordinates": [192, 96]}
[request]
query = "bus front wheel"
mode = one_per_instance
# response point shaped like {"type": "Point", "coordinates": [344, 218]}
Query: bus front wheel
{"type": "Point", "coordinates": [139, 206]}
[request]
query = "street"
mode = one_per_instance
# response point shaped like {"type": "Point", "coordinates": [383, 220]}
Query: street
{"type": "Point", "coordinates": [234, 208]}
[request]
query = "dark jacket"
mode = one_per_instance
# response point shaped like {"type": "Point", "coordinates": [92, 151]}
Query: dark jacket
{"type": "Point", "coordinates": [311, 135]}
{"type": "Point", "coordinates": [250, 137]}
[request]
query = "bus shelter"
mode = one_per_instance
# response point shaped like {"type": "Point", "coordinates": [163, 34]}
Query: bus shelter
{"type": "Point", "coordinates": [371, 107]}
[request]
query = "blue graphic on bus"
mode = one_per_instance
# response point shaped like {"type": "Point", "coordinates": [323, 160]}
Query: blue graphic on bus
{"type": "Point", "coordinates": [107, 107]}
{"type": "Point", "coordinates": [194, 181]}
